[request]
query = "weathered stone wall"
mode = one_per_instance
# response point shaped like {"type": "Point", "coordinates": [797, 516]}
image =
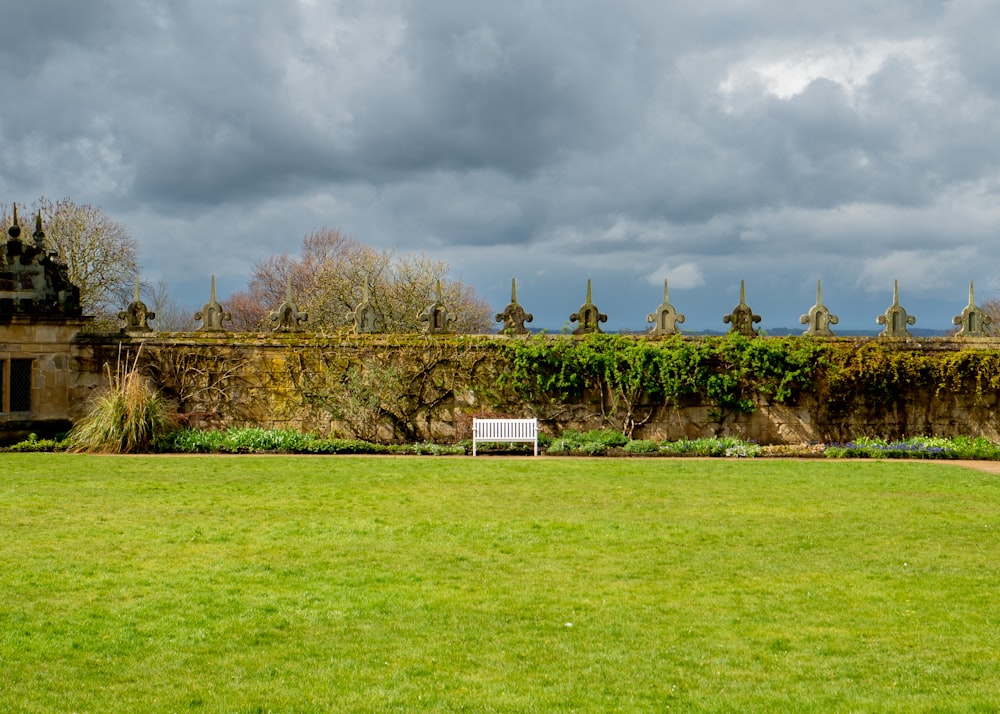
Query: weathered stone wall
{"type": "Point", "coordinates": [410, 388]}
{"type": "Point", "coordinates": [373, 387]}
{"type": "Point", "coordinates": [48, 343]}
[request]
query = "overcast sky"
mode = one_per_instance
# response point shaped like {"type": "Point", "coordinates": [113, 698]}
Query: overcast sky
{"type": "Point", "coordinates": [553, 141]}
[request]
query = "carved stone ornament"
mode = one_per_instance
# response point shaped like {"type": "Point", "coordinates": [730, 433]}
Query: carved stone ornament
{"type": "Point", "coordinates": [39, 234]}
{"type": "Point", "coordinates": [436, 316]}
{"type": "Point", "coordinates": [973, 321]}
{"type": "Point", "coordinates": [819, 318]}
{"type": "Point", "coordinates": [288, 315]}
{"type": "Point", "coordinates": [895, 318]}
{"type": "Point", "coordinates": [34, 280]}
{"type": "Point", "coordinates": [365, 317]}
{"type": "Point", "coordinates": [588, 317]}
{"type": "Point", "coordinates": [666, 318]}
{"type": "Point", "coordinates": [212, 315]}
{"type": "Point", "coordinates": [514, 316]}
{"type": "Point", "coordinates": [742, 317]}
{"type": "Point", "coordinates": [136, 316]}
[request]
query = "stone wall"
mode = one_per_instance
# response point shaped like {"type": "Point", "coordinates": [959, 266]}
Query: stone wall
{"type": "Point", "coordinates": [386, 388]}
{"type": "Point", "coordinates": [412, 388]}
{"type": "Point", "coordinates": [48, 345]}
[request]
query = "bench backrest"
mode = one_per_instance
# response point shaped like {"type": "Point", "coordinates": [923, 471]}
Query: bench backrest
{"type": "Point", "coordinates": [504, 429]}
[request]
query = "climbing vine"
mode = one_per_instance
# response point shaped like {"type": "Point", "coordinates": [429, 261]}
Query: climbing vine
{"type": "Point", "coordinates": [878, 370]}
{"type": "Point", "coordinates": [634, 378]}
{"type": "Point", "coordinates": [387, 390]}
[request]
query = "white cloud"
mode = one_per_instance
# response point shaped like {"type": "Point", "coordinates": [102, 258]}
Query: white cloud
{"type": "Point", "coordinates": [918, 270]}
{"type": "Point", "coordinates": [684, 276]}
{"type": "Point", "coordinates": [788, 72]}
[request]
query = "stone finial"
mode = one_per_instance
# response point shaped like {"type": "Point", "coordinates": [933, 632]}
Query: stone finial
{"type": "Point", "coordinates": [15, 226]}
{"type": "Point", "coordinates": [973, 320]}
{"type": "Point", "coordinates": [366, 317]}
{"type": "Point", "coordinates": [436, 316]}
{"type": "Point", "coordinates": [514, 316]}
{"type": "Point", "coordinates": [136, 316]}
{"type": "Point", "coordinates": [895, 318]}
{"type": "Point", "coordinates": [665, 318]}
{"type": "Point", "coordinates": [742, 317]}
{"type": "Point", "coordinates": [212, 315]}
{"type": "Point", "coordinates": [588, 317]}
{"type": "Point", "coordinates": [288, 315]}
{"type": "Point", "coordinates": [819, 318]}
{"type": "Point", "coordinates": [39, 234]}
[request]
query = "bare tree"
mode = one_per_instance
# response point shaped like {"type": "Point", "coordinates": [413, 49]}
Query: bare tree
{"type": "Point", "coordinates": [170, 317]}
{"type": "Point", "coordinates": [100, 253]}
{"type": "Point", "coordinates": [249, 313]}
{"type": "Point", "coordinates": [992, 308]}
{"type": "Point", "coordinates": [329, 279]}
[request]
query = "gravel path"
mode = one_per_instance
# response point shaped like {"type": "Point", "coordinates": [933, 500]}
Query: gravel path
{"type": "Point", "coordinates": [992, 467]}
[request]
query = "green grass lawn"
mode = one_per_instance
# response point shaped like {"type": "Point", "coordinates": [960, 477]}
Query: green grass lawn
{"type": "Point", "coordinates": [246, 584]}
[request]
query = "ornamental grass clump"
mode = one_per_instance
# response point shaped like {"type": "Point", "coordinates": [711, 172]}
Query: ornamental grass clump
{"type": "Point", "coordinates": [125, 419]}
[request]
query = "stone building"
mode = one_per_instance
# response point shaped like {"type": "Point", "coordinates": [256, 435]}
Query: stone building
{"type": "Point", "coordinates": [40, 315]}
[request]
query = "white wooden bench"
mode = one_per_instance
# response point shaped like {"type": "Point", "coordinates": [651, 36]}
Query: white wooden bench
{"type": "Point", "coordinates": [504, 430]}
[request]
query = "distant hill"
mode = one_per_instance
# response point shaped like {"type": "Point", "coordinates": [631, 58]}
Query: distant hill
{"type": "Point", "coordinates": [915, 331]}
{"type": "Point", "coordinates": [770, 332]}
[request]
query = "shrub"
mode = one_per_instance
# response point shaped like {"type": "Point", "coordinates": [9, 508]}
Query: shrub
{"type": "Point", "coordinates": [974, 448]}
{"type": "Point", "coordinates": [188, 441]}
{"type": "Point", "coordinates": [591, 443]}
{"type": "Point", "coordinates": [520, 447]}
{"type": "Point", "coordinates": [917, 447]}
{"type": "Point", "coordinates": [724, 446]}
{"type": "Point", "coordinates": [249, 440]}
{"type": "Point", "coordinates": [255, 440]}
{"type": "Point", "coordinates": [34, 444]}
{"type": "Point", "coordinates": [610, 438]}
{"type": "Point", "coordinates": [641, 447]}
{"type": "Point", "coordinates": [427, 448]}
{"type": "Point", "coordinates": [558, 447]}
{"type": "Point", "coordinates": [343, 446]}
{"type": "Point", "coordinates": [568, 442]}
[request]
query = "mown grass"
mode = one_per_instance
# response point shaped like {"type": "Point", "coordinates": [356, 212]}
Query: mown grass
{"type": "Point", "coordinates": [246, 584]}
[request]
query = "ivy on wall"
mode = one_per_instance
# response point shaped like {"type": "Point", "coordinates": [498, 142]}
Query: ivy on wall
{"type": "Point", "coordinates": [634, 378]}
{"type": "Point", "coordinates": [879, 370]}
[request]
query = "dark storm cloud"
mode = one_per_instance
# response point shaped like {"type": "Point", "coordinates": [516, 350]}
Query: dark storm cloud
{"type": "Point", "coordinates": [31, 32]}
{"type": "Point", "coordinates": [625, 140]}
